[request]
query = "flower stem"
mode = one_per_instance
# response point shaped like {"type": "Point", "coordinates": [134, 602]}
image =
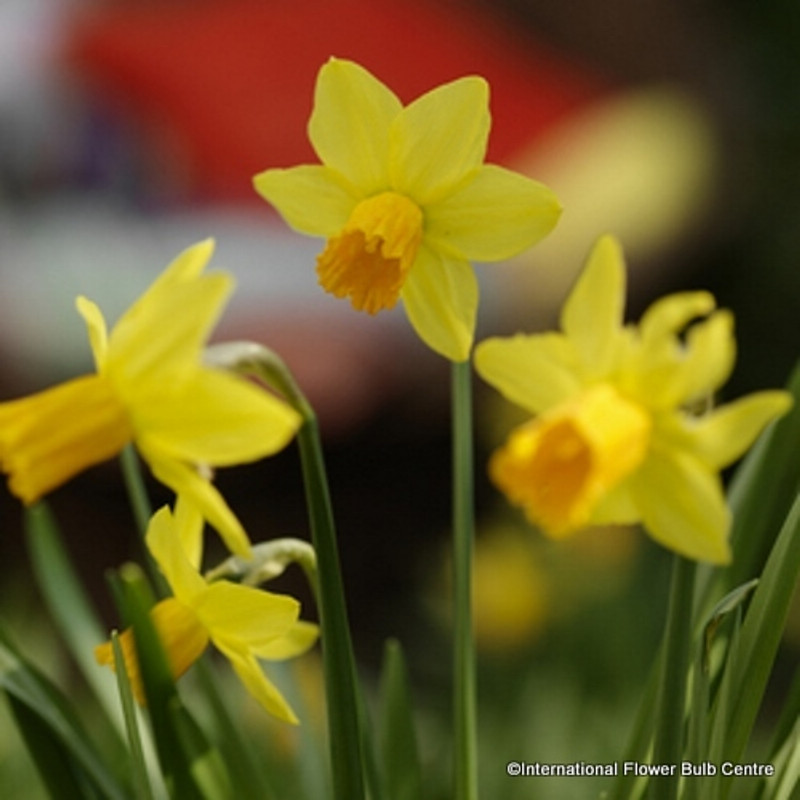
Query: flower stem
{"type": "Point", "coordinates": [137, 491]}
{"type": "Point", "coordinates": [669, 735]}
{"type": "Point", "coordinates": [464, 691]}
{"type": "Point", "coordinates": [344, 725]}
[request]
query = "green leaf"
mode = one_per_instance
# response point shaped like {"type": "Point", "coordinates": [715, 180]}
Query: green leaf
{"type": "Point", "coordinates": [61, 773]}
{"type": "Point", "coordinates": [399, 749]}
{"type": "Point", "coordinates": [761, 493]}
{"type": "Point", "coordinates": [751, 658]}
{"type": "Point", "coordinates": [68, 604]}
{"type": "Point", "coordinates": [53, 731]}
{"type": "Point", "coordinates": [248, 774]}
{"type": "Point", "coordinates": [135, 598]}
{"type": "Point", "coordinates": [138, 765]}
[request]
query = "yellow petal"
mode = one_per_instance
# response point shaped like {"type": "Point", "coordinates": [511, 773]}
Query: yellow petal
{"type": "Point", "coordinates": [257, 683]}
{"type": "Point", "coordinates": [300, 637]}
{"type": "Point", "coordinates": [53, 435]}
{"type": "Point", "coordinates": [349, 126]}
{"type": "Point", "coordinates": [96, 328]}
{"type": "Point", "coordinates": [710, 353]}
{"type": "Point", "coordinates": [164, 540]}
{"type": "Point", "coordinates": [161, 336]}
{"type": "Point", "coordinates": [189, 525]}
{"type": "Point", "coordinates": [244, 616]}
{"type": "Point", "coordinates": [497, 215]}
{"type": "Point", "coordinates": [185, 479]}
{"type": "Point", "coordinates": [219, 419]}
{"type": "Point", "coordinates": [535, 372]}
{"type": "Point", "coordinates": [592, 316]}
{"type": "Point", "coordinates": [682, 505]}
{"type": "Point", "coordinates": [439, 139]}
{"type": "Point", "coordinates": [441, 301]}
{"type": "Point", "coordinates": [187, 266]}
{"type": "Point", "coordinates": [721, 437]}
{"type": "Point", "coordinates": [672, 313]}
{"type": "Point", "coordinates": [312, 199]}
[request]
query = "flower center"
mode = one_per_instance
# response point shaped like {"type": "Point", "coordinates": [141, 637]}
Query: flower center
{"type": "Point", "coordinates": [370, 259]}
{"type": "Point", "coordinates": [559, 465]}
{"type": "Point", "coordinates": [49, 437]}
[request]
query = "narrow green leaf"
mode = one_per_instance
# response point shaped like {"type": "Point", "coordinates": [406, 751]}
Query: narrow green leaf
{"type": "Point", "coordinates": [786, 725]}
{"type": "Point", "coordinates": [783, 785]}
{"type": "Point", "coordinates": [718, 724]}
{"type": "Point", "coordinates": [399, 748]}
{"type": "Point", "coordinates": [760, 495]}
{"type": "Point", "coordinates": [68, 604]}
{"type": "Point", "coordinates": [46, 715]}
{"type": "Point", "coordinates": [205, 764]}
{"type": "Point", "coordinates": [763, 490]}
{"type": "Point", "coordinates": [141, 780]}
{"type": "Point", "coordinates": [750, 661]}
{"type": "Point", "coordinates": [59, 771]}
{"type": "Point", "coordinates": [248, 776]}
{"type": "Point", "coordinates": [159, 687]}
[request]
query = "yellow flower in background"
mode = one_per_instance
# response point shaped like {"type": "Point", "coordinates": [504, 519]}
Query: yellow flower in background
{"type": "Point", "coordinates": [618, 435]}
{"type": "Point", "coordinates": [405, 201]}
{"type": "Point", "coordinates": [243, 623]}
{"type": "Point", "coordinates": [509, 613]}
{"type": "Point", "coordinates": [152, 389]}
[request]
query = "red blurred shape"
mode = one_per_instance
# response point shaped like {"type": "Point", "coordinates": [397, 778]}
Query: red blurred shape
{"type": "Point", "coordinates": [229, 84]}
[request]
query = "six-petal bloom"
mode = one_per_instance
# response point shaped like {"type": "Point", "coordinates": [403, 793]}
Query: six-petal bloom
{"type": "Point", "coordinates": [242, 622]}
{"type": "Point", "coordinates": [405, 201]}
{"type": "Point", "coordinates": [152, 389]}
{"type": "Point", "coordinates": [619, 433]}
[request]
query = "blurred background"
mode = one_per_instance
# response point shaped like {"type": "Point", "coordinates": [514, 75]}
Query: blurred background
{"type": "Point", "coordinates": [132, 129]}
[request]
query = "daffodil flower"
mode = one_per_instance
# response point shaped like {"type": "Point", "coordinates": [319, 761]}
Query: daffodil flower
{"type": "Point", "coordinates": [152, 389]}
{"type": "Point", "coordinates": [245, 624]}
{"type": "Point", "coordinates": [405, 201]}
{"type": "Point", "coordinates": [622, 432]}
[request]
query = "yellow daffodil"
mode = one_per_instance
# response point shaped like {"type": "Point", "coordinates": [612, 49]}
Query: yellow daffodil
{"type": "Point", "coordinates": [243, 623]}
{"type": "Point", "coordinates": [152, 389]}
{"type": "Point", "coordinates": [405, 201]}
{"type": "Point", "coordinates": [619, 433]}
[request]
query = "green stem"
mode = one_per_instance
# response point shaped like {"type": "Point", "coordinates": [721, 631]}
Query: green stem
{"type": "Point", "coordinates": [669, 735]}
{"type": "Point", "coordinates": [344, 727]}
{"type": "Point", "coordinates": [464, 689]}
{"type": "Point", "coordinates": [338, 656]}
{"type": "Point", "coordinates": [137, 491]}
{"type": "Point", "coordinates": [142, 511]}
